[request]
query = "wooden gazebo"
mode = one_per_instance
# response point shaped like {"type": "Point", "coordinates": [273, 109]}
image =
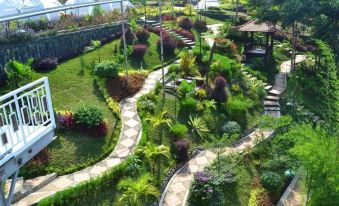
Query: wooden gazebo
{"type": "Point", "coordinates": [255, 49]}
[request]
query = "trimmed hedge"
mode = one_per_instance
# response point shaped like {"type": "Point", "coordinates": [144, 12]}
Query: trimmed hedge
{"type": "Point", "coordinates": [71, 195]}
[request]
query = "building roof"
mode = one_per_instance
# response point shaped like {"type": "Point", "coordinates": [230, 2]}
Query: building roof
{"type": "Point", "coordinates": [256, 26]}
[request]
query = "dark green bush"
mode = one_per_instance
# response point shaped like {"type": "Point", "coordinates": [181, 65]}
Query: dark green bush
{"type": "Point", "coordinates": [107, 69]}
{"type": "Point", "coordinates": [88, 116]}
{"type": "Point", "coordinates": [188, 104]}
{"type": "Point", "coordinates": [178, 130]}
{"type": "Point", "coordinates": [270, 180]}
{"type": "Point", "coordinates": [231, 128]}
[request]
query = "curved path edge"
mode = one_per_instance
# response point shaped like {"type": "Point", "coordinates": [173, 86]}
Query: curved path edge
{"type": "Point", "coordinates": [177, 190]}
{"type": "Point", "coordinates": [129, 138]}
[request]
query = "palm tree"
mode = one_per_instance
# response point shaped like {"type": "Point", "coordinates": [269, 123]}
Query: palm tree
{"type": "Point", "coordinates": [198, 127]}
{"type": "Point", "coordinates": [159, 120]}
{"type": "Point", "coordinates": [153, 153]}
{"type": "Point", "coordinates": [137, 192]}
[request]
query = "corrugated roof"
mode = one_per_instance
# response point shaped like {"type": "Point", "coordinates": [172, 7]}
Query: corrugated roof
{"type": "Point", "coordinates": [255, 26]}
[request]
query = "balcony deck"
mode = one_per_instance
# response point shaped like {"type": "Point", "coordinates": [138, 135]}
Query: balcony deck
{"type": "Point", "coordinates": [26, 124]}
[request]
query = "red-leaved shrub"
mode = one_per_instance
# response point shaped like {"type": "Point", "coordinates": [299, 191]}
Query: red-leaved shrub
{"type": "Point", "coordinates": [200, 26]}
{"type": "Point", "coordinates": [65, 119]}
{"type": "Point", "coordinates": [46, 64]}
{"type": "Point", "coordinates": [139, 50]}
{"type": "Point", "coordinates": [185, 33]}
{"type": "Point", "coordinates": [219, 92]}
{"type": "Point", "coordinates": [168, 17]}
{"type": "Point", "coordinates": [121, 87]}
{"type": "Point", "coordinates": [169, 44]}
{"type": "Point", "coordinates": [181, 148]}
{"type": "Point", "coordinates": [142, 35]}
{"type": "Point", "coordinates": [185, 23]}
{"type": "Point", "coordinates": [98, 131]}
{"type": "Point", "coordinates": [130, 36]}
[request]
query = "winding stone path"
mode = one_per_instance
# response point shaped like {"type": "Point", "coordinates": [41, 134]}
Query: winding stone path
{"type": "Point", "coordinates": [177, 189]}
{"type": "Point", "coordinates": [129, 138]}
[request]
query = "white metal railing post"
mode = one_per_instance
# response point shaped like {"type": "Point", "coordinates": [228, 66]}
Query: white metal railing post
{"type": "Point", "coordinates": [18, 113]}
{"type": "Point", "coordinates": [49, 102]}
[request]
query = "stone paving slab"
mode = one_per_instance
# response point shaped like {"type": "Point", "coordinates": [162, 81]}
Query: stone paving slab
{"type": "Point", "coordinates": [129, 137]}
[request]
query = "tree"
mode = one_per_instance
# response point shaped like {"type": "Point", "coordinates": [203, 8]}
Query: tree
{"type": "Point", "coordinates": [19, 73]}
{"type": "Point", "coordinates": [137, 192]}
{"type": "Point", "coordinates": [318, 152]}
{"type": "Point", "coordinates": [95, 46]}
{"type": "Point", "coordinates": [153, 153]}
{"type": "Point", "coordinates": [198, 127]}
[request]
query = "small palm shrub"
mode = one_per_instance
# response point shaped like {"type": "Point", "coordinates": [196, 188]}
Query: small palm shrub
{"type": "Point", "coordinates": [178, 130]}
{"type": "Point", "coordinates": [169, 44]}
{"type": "Point", "coordinates": [201, 94]}
{"type": "Point", "coordinates": [46, 64]}
{"type": "Point", "coordinates": [139, 50]}
{"type": "Point", "coordinates": [142, 35]}
{"type": "Point", "coordinates": [107, 69]}
{"type": "Point", "coordinates": [219, 92]}
{"type": "Point", "coordinates": [182, 150]}
{"type": "Point", "coordinates": [187, 63]}
{"type": "Point", "coordinates": [231, 128]}
{"type": "Point", "coordinates": [185, 23]}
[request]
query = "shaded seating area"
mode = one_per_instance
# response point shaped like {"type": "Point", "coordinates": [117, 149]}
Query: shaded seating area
{"type": "Point", "coordinates": [253, 48]}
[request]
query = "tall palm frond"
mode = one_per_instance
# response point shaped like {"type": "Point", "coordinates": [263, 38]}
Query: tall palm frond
{"type": "Point", "coordinates": [136, 192]}
{"type": "Point", "coordinates": [198, 126]}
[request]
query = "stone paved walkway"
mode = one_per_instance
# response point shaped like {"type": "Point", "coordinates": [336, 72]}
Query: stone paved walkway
{"type": "Point", "coordinates": [177, 189]}
{"type": "Point", "coordinates": [129, 137]}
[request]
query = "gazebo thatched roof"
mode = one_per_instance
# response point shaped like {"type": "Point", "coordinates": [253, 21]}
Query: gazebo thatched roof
{"type": "Point", "coordinates": [255, 26]}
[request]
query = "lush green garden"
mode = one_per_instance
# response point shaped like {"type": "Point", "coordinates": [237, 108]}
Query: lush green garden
{"type": "Point", "coordinates": [210, 99]}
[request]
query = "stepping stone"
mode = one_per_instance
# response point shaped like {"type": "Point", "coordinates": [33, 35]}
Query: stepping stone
{"type": "Point", "coordinates": [272, 98]}
{"type": "Point", "coordinates": [275, 92]}
{"type": "Point", "coordinates": [268, 87]}
{"type": "Point", "coordinates": [272, 108]}
{"type": "Point", "coordinates": [273, 113]}
{"type": "Point", "coordinates": [190, 43]}
{"type": "Point", "coordinates": [271, 104]}
{"type": "Point", "coordinates": [186, 41]}
{"type": "Point", "coordinates": [316, 118]}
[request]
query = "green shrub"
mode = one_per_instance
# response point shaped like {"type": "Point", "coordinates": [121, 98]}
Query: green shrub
{"type": "Point", "coordinates": [201, 94]}
{"type": "Point", "coordinates": [107, 69]}
{"type": "Point", "coordinates": [231, 128]}
{"type": "Point", "coordinates": [178, 130]}
{"type": "Point", "coordinates": [186, 89]}
{"type": "Point", "coordinates": [188, 104]}
{"type": "Point", "coordinates": [173, 68]}
{"type": "Point", "coordinates": [270, 180]}
{"type": "Point", "coordinates": [88, 116]}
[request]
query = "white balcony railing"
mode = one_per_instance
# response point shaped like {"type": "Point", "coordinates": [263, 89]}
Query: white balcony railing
{"type": "Point", "coordinates": [26, 114]}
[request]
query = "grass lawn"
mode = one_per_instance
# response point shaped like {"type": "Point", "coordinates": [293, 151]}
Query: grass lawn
{"type": "Point", "coordinates": [70, 88]}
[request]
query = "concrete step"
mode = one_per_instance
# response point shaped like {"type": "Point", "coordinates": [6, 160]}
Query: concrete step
{"type": "Point", "coordinates": [271, 104]}
{"type": "Point", "coordinates": [272, 98]}
{"type": "Point", "coordinates": [272, 108]}
{"type": "Point", "coordinates": [274, 92]}
{"type": "Point", "coordinates": [315, 118]}
{"type": "Point", "coordinates": [273, 113]}
{"type": "Point", "coordinates": [268, 87]}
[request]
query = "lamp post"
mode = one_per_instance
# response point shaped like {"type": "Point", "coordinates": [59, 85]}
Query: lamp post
{"type": "Point", "coordinates": [162, 54]}
{"type": "Point", "coordinates": [124, 36]}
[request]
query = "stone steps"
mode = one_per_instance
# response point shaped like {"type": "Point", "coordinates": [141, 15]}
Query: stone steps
{"type": "Point", "coordinates": [272, 98]}
{"type": "Point", "coordinates": [271, 104]}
